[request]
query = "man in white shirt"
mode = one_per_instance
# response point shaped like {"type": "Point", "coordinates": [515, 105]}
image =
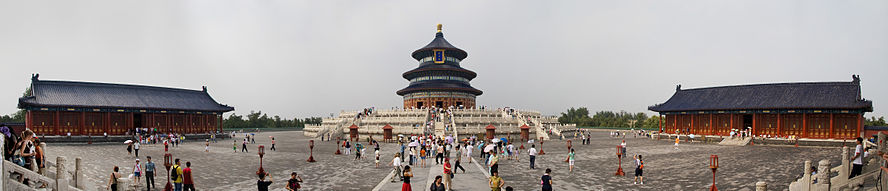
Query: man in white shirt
{"type": "Point", "coordinates": [396, 163]}
{"type": "Point", "coordinates": [857, 160]}
{"type": "Point", "coordinates": [136, 147]}
{"type": "Point", "coordinates": [532, 152]}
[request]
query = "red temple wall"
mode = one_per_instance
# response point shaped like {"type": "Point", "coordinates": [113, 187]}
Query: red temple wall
{"type": "Point", "coordinates": [116, 123]}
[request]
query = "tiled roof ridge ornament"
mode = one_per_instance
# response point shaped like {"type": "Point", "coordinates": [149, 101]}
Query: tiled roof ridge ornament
{"type": "Point", "coordinates": [856, 79]}
{"type": "Point", "coordinates": [204, 88]}
{"type": "Point", "coordinates": [678, 87]}
{"type": "Point", "coordinates": [35, 77]}
{"type": "Point", "coordinates": [439, 27]}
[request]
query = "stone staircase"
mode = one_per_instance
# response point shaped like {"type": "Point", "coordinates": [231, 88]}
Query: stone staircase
{"type": "Point", "coordinates": [735, 141]}
{"type": "Point", "coordinates": [439, 129]}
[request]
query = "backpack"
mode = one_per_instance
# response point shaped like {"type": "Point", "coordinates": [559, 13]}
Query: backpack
{"type": "Point", "coordinates": [175, 174]}
{"type": "Point", "coordinates": [641, 166]}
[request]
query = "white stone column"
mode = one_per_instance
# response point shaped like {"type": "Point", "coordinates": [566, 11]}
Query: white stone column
{"type": "Point", "coordinates": [61, 174]}
{"type": "Point", "coordinates": [78, 173]}
{"type": "Point", "coordinates": [761, 186]}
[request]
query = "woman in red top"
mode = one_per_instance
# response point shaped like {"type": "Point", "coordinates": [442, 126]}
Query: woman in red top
{"type": "Point", "coordinates": [186, 174]}
{"type": "Point", "coordinates": [448, 173]}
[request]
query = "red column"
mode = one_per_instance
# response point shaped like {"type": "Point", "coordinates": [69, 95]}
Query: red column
{"type": "Point", "coordinates": [779, 126]}
{"type": "Point", "coordinates": [831, 117]}
{"type": "Point", "coordinates": [711, 132]}
{"type": "Point", "coordinates": [28, 120]}
{"type": "Point", "coordinates": [82, 123]}
{"type": "Point", "coordinates": [693, 118]}
{"type": "Point", "coordinates": [732, 121]}
{"type": "Point", "coordinates": [660, 122]}
{"type": "Point", "coordinates": [804, 125]}
{"type": "Point", "coordinates": [58, 126]}
{"type": "Point", "coordinates": [107, 120]}
{"type": "Point", "coordinates": [754, 125]}
{"type": "Point", "coordinates": [221, 121]}
{"type": "Point", "coordinates": [860, 125]}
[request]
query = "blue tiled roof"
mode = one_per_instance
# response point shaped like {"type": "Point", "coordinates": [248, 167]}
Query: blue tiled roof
{"type": "Point", "coordinates": [807, 95]}
{"type": "Point", "coordinates": [439, 43]}
{"type": "Point", "coordinates": [106, 95]}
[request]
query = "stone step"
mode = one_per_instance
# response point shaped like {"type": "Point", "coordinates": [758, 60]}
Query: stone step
{"type": "Point", "coordinates": [736, 141]}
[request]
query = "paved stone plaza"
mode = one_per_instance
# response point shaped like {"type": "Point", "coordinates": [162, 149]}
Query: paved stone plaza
{"type": "Point", "coordinates": [665, 167]}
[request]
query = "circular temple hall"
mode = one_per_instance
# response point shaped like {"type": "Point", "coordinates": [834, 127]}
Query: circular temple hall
{"type": "Point", "coordinates": [439, 80]}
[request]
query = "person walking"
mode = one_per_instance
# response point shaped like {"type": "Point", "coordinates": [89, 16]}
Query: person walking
{"type": "Point", "coordinates": [492, 161]}
{"type": "Point", "coordinates": [532, 152]}
{"type": "Point", "coordinates": [272, 144]}
{"type": "Point", "coordinates": [546, 180]}
{"type": "Point", "coordinates": [396, 164]}
{"type": "Point", "coordinates": [448, 174]}
{"type": "Point", "coordinates": [112, 179]}
{"type": "Point", "coordinates": [407, 175]}
{"type": "Point", "coordinates": [149, 173]}
{"type": "Point", "coordinates": [347, 147]}
{"type": "Point", "coordinates": [496, 182]}
{"type": "Point", "coordinates": [188, 181]}
{"type": "Point", "coordinates": [137, 171]}
{"type": "Point", "coordinates": [262, 183]}
{"type": "Point", "coordinates": [469, 152]}
{"type": "Point", "coordinates": [207, 146]}
{"type": "Point", "coordinates": [457, 166]}
{"type": "Point", "coordinates": [244, 146]}
{"type": "Point", "coordinates": [233, 144]}
{"type": "Point", "coordinates": [422, 157]}
{"type": "Point", "coordinates": [294, 183]}
{"type": "Point", "coordinates": [437, 185]}
{"type": "Point", "coordinates": [639, 170]}
{"type": "Point", "coordinates": [176, 176]}
{"type": "Point", "coordinates": [439, 156]}
{"type": "Point", "coordinates": [570, 158]}
{"type": "Point", "coordinates": [358, 151]}
{"type": "Point", "coordinates": [136, 147]}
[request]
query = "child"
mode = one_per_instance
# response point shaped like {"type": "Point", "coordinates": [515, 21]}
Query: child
{"type": "Point", "coordinates": [377, 158]}
{"type": "Point", "coordinates": [570, 159]}
{"type": "Point", "coordinates": [234, 144]}
{"type": "Point", "coordinates": [207, 148]}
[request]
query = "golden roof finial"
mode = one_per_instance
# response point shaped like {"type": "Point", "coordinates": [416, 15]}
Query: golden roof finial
{"type": "Point", "coordinates": [439, 27]}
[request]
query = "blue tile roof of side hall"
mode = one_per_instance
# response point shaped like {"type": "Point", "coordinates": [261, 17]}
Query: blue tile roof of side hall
{"type": "Point", "coordinates": [804, 95]}
{"type": "Point", "coordinates": [106, 95]}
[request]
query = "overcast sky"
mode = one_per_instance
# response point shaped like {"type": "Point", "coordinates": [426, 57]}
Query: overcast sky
{"type": "Point", "coordinates": [313, 58]}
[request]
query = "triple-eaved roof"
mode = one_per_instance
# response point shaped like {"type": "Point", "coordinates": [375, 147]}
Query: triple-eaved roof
{"type": "Point", "coordinates": [803, 95]}
{"type": "Point", "coordinates": [68, 94]}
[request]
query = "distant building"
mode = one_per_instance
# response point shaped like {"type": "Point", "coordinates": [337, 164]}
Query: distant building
{"type": "Point", "coordinates": [89, 108]}
{"type": "Point", "coordinates": [824, 110]}
{"type": "Point", "coordinates": [439, 80]}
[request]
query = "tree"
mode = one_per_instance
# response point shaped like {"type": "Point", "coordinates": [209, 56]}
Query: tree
{"type": "Point", "coordinates": [18, 116]}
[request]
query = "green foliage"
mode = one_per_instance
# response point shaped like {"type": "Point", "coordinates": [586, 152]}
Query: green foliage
{"type": "Point", "coordinates": [580, 116]}
{"type": "Point", "coordinates": [872, 121]}
{"type": "Point", "coordinates": [18, 116]}
{"type": "Point", "coordinates": [261, 120]}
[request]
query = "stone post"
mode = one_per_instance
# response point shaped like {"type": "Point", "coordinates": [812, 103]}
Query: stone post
{"type": "Point", "coordinates": [823, 172]}
{"type": "Point", "coordinates": [881, 142]}
{"type": "Point", "coordinates": [61, 174]}
{"type": "Point", "coordinates": [78, 173]}
{"type": "Point", "coordinates": [761, 186]}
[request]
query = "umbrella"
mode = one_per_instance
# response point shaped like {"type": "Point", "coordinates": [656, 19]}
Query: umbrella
{"type": "Point", "coordinates": [449, 139]}
{"type": "Point", "coordinates": [530, 141]}
{"type": "Point", "coordinates": [488, 148]}
{"type": "Point", "coordinates": [495, 140]}
{"type": "Point", "coordinates": [691, 136]}
{"type": "Point", "coordinates": [128, 142]}
{"type": "Point", "coordinates": [400, 135]}
{"type": "Point", "coordinates": [504, 140]}
{"type": "Point", "coordinates": [413, 144]}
